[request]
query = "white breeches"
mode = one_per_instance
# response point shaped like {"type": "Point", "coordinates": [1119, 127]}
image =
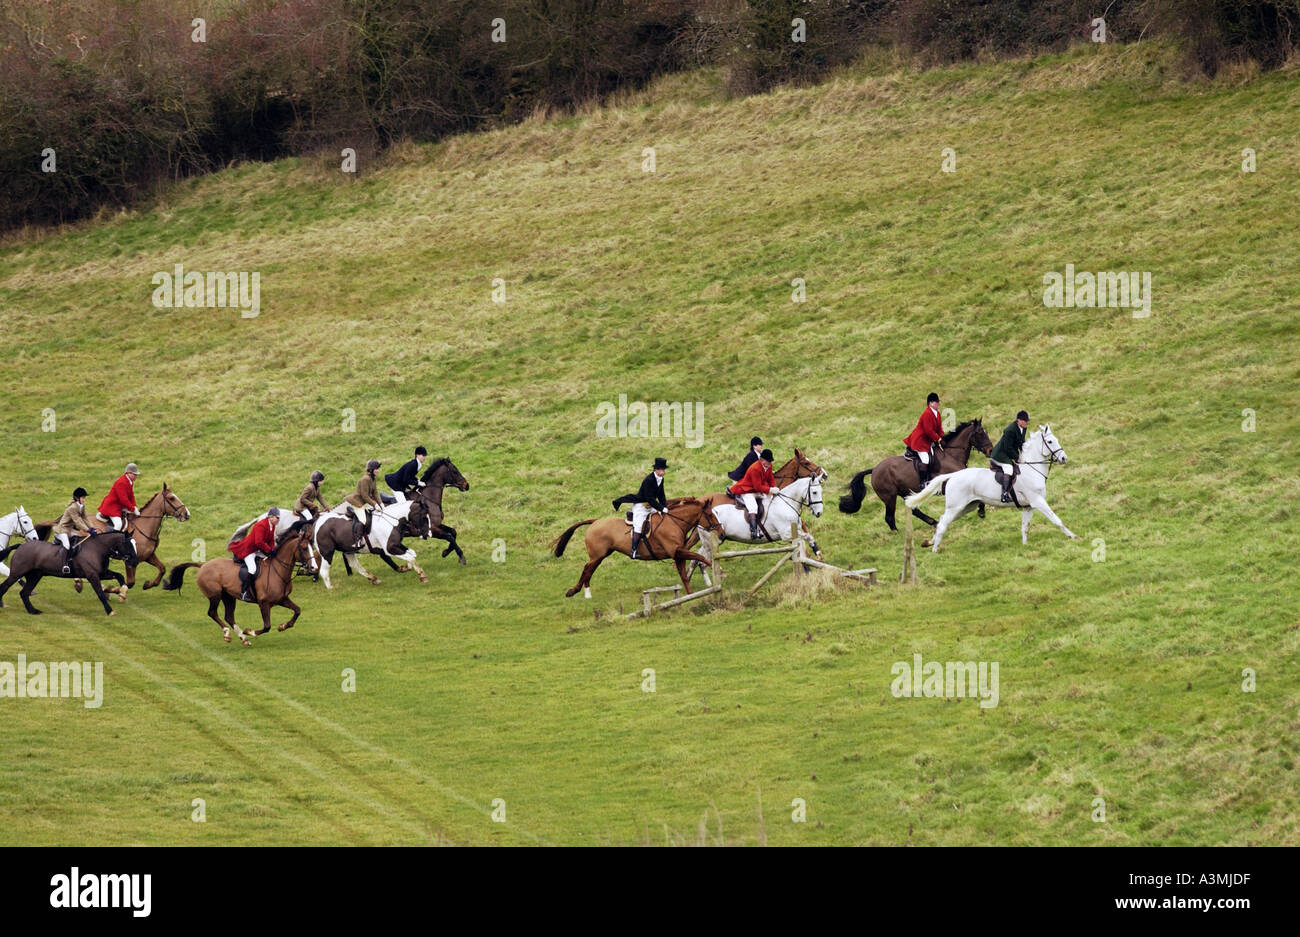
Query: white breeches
{"type": "Point", "coordinates": [400, 496]}
{"type": "Point", "coordinates": [1006, 468]}
{"type": "Point", "coordinates": [250, 561]}
{"type": "Point", "coordinates": [750, 501]}
{"type": "Point", "coordinates": [639, 513]}
{"type": "Point", "coordinates": [113, 522]}
{"type": "Point", "coordinates": [63, 541]}
{"type": "Point", "coordinates": [305, 514]}
{"type": "Point", "coordinates": [924, 457]}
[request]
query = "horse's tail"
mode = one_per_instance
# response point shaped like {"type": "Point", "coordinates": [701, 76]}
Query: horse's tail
{"type": "Point", "coordinates": [4, 554]}
{"type": "Point", "coordinates": [850, 503]}
{"type": "Point", "coordinates": [562, 541]}
{"type": "Point", "coordinates": [176, 576]}
{"type": "Point", "coordinates": [43, 530]}
{"type": "Point", "coordinates": [925, 493]}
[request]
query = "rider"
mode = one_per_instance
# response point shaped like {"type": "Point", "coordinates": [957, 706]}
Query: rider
{"type": "Point", "coordinates": [408, 476]}
{"type": "Point", "coordinates": [120, 499]}
{"type": "Point", "coordinates": [259, 541]}
{"type": "Point", "coordinates": [758, 480]}
{"type": "Point", "coordinates": [311, 499]}
{"type": "Point", "coordinates": [365, 497]}
{"type": "Point", "coordinates": [73, 520]}
{"type": "Point", "coordinates": [752, 456]}
{"type": "Point", "coordinates": [1006, 454]}
{"type": "Point", "coordinates": [928, 431]}
{"type": "Point", "coordinates": [650, 497]}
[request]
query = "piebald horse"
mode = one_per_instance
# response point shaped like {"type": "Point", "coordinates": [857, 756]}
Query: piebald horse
{"type": "Point", "coordinates": [666, 540]}
{"type": "Point", "coordinates": [218, 580]}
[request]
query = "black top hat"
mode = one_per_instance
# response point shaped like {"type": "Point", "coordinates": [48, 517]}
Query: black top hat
{"type": "Point", "coordinates": [767, 454]}
{"type": "Point", "coordinates": [661, 464]}
{"type": "Point", "coordinates": [79, 493]}
{"type": "Point", "coordinates": [756, 441]}
{"type": "Point", "coordinates": [1022, 415]}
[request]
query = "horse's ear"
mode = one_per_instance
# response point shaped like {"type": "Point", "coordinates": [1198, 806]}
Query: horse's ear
{"type": "Point", "coordinates": [797, 453]}
{"type": "Point", "coordinates": [164, 486]}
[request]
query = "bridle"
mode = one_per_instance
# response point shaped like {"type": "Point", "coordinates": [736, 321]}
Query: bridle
{"type": "Point", "coordinates": [1051, 456]}
{"type": "Point", "coordinates": [164, 513]}
{"type": "Point", "coordinates": [275, 561]}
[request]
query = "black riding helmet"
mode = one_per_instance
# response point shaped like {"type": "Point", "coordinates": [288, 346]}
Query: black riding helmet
{"type": "Point", "coordinates": [79, 493]}
{"type": "Point", "coordinates": [767, 455]}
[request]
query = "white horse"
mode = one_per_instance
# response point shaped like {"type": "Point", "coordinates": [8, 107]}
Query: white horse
{"type": "Point", "coordinates": [13, 524]}
{"type": "Point", "coordinates": [782, 510]}
{"type": "Point", "coordinates": [383, 522]}
{"type": "Point", "coordinates": [970, 486]}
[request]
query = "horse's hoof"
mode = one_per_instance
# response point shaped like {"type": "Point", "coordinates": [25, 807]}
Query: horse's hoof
{"type": "Point", "coordinates": [462, 561]}
{"type": "Point", "coordinates": [147, 586]}
{"type": "Point", "coordinates": [77, 585]}
{"type": "Point", "coordinates": [111, 613]}
{"type": "Point", "coordinates": [423, 578]}
{"type": "Point", "coordinates": [225, 633]}
{"type": "Point", "coordinates": [927, 543]}
{"type": "Point", "coordinates": [571, 592]}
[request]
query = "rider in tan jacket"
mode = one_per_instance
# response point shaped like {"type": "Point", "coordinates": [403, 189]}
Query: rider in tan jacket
{"type": "Point", "coordinates": [366, 496]}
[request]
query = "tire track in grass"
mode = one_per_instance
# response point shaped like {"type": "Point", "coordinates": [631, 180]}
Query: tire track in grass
{"type": "Point", "coordinates": [222, 716]}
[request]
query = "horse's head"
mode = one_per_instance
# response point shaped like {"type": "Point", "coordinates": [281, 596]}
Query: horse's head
{"type": "Point", "coordinates": [173, 506]}
{"type": "Point", "coordinates": [815, 494]}
{"type": "Point", "coordinates": [305, 551]}
{"type": "Point", "coordinates": [443, 471]}
{"type": "Point", "coordinates": [121, 546]}
{"type": "Point", "coordinates": [1051, 444]}
{"type": "Point", "coordinates": [800, 467]}
{"type": "Point", "coordinates": [980, 437]}
{"type": "Point", "coordinates": [25, 525]}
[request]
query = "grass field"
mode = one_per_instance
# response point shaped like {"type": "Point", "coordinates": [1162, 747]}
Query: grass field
{"type": "Point", "coordinates": [1120, 678]}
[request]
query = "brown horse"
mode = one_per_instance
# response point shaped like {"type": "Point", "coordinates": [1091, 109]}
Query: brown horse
{"type": "Point", "coordinates": [666, 540]}
{"type": "Point", "coordinates": [218, 580]}
{"type": "Point", "coordinates": [144, 528]}
{"type": "Point", "coordinates": [440, 473]}
{"type": "Point", "coordinates": [896, 476]}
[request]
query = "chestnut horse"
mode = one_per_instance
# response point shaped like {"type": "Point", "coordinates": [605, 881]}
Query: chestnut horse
{"type": "Point", "coordinates": [896, 476]}
{"type": "Point", "coordinates": [666, 540]}
{"type": "Point", "coordinates": [143, 528]}
{"type": "Point", "coordinates": [218, 580]}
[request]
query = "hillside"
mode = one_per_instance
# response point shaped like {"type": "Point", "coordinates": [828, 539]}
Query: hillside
{"type": "Point", "coordinates": [1120, 678]}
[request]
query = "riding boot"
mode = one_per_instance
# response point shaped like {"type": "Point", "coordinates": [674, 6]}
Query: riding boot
{"type": "Point", "coordinates": [752, 519]}
{"type": "Point", "coordinates": [636, 540]}
{"type": "Point", "coordinates": [67, 560]}
{"type": "Point", "coordinates": [246, 584]}
{"type": "Point", "coordinates": [1007, 481]}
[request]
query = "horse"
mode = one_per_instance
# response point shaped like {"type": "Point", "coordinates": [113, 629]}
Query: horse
{"type": "Point", "coordinates": [144, 528]}
{"type": "Point", "coordinates": [895, 477]}
{"type": "Point", "coordinates": [218, 580]}
{"type": "Point", "coordinates": [34, 560]}
{"type": "Point", "coordinates": [283, 525]}
{"type": "Point", "coordinates": [440, 473]}
{"type": "Point", "coordinates": [965, 488]}
{"type": "Point", "coordinates": [666, 540]}
{"type": "Point", "coordinates": [799, 467]}
{"type": "Point", "coordinates": [15, 523]}
{"type": "Point", "coordinates": [332, 532]}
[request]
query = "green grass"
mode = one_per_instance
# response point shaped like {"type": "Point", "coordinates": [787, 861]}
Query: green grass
{"type": "Point", "coordinates": [1119, 679]}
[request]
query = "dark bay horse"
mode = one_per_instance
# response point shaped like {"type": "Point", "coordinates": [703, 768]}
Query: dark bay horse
{"type": "Point", "coordinates": [36, 559]}
{"type": "Point", "coordinates": [666, 541]}
{"type": "Point", "coordinates": [440, 473]}
{"type": "Point", "coordinates": [896, 476]}
{"type": "Point", "coordinates": [218, 580]}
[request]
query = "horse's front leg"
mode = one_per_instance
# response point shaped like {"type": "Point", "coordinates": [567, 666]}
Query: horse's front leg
{"type": "Point", "coordinates": [99, 594]}
{"type": "Point", "coordinates": [157, 563]}
{"type": "Point", "coordinates": [1041, 505]}
{"type": "Point", "coordinates": [286, 603]}
{"type": "Point", "coordinates": [1025, 515]}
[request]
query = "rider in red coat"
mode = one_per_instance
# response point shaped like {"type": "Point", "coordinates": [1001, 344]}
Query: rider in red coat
{"type": "Point", "coordinates": [260, 537]}
{"type": "Point", "coordinates": [758, 480]}
{"type": "Point", "coordinates": [120, 499]}
{"type": "Point", "coordinates": [929, 430]}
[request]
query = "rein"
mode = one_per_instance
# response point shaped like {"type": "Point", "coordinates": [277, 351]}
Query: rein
{"type": "Point", "coordinates": [1051, 457]}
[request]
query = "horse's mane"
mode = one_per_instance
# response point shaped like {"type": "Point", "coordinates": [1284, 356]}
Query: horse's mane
{"type": "Point", "coordinates": [434, 465]}
{"type": "Point", "coordinates": [949, 436]}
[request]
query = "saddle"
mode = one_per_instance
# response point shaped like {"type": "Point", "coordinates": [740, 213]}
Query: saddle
{"type": "Point", "coordinates": [760, 500]}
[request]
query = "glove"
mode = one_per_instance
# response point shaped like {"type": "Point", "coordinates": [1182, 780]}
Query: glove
{"type": "Point", "coordinates": [774, 491]}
